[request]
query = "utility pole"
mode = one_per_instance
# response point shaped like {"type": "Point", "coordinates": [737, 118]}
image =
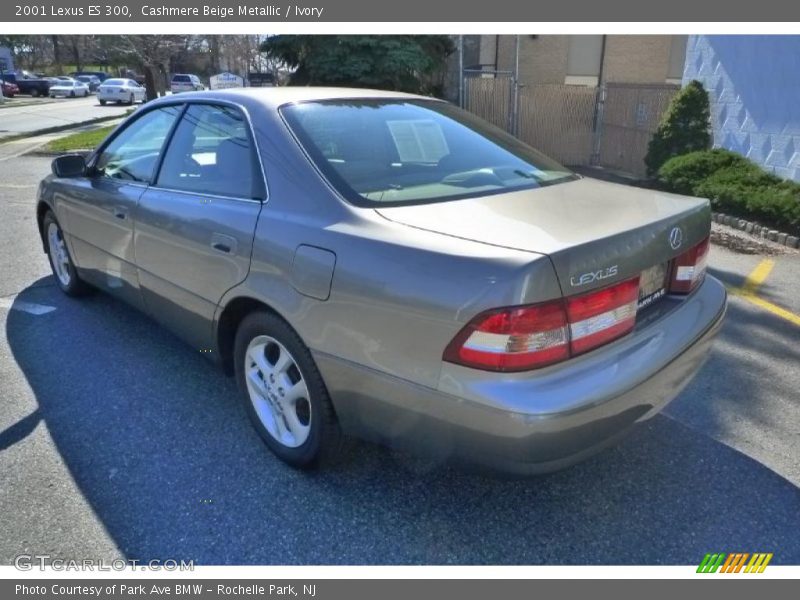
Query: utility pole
{"type": "Point", "coordinates": [461, 71]}
{"type": "Point", "coordinates": [515, 108]}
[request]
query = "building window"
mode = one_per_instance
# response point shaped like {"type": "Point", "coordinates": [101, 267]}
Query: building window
{"type": "Point", "coordinates": [677, 58]}
{"type": "Point", "coordinates": [584, 59]}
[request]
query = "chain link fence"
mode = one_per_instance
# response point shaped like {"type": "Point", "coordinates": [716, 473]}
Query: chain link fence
{"type": "Point", "coordinates": [609, 126]}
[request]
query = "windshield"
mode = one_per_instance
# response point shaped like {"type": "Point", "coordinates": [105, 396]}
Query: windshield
{"type": "Point", "coordinates": [395, 152]}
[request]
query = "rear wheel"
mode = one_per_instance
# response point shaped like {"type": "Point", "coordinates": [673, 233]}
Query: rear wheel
{"type": "Point", "coordinates": [60, 260]}
{"type": "Point", "coordinates": [72, 94]}
{"type": "Point", "coordinates": [102, 102]}
{"type": "Point", "coordinates": [35, 93]}
{"type": "Point", "coordinates": [131, 100]}
{"type": "Point", "coordinates": [283, 392]}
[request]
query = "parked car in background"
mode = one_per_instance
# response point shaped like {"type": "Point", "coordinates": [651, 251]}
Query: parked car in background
{"type": "Point", "coordinates": [9, 89]}
{"type": "Point", "coordinates": [182, 82]}
{"type": "Point", "coordinates": [474, 298]}
{"type": "Point", "coordinates": [69, 89]}
{"type": "Point", "coordinates": [101, 75]}
{"type": "Point", "coordinates": [91, 80]}
{"type": "Point", "coordinates": [27, 83]}
{"type": "Point", "coordinates": [120, 90]}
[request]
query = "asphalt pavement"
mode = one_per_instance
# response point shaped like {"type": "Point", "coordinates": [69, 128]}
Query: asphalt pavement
{"type": "Point", "coordinates": [117, 440]}
{"type": "Point", "coordinates": [46, 113]}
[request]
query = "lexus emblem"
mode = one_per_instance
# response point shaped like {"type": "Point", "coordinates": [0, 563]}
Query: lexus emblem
{"type": "Point", "coordinates": [675, 238]}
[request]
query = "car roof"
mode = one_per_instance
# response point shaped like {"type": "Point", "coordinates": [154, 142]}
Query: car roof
{"type": "Point", "coordinates": [274, 97]}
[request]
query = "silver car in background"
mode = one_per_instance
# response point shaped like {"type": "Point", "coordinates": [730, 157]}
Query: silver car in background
{"type": "Point", "coordinates": [125, 91]}
{"type": "Point", "coordinates": [391, 267]}
{"type": "Point", "coordinates": [185, 82]}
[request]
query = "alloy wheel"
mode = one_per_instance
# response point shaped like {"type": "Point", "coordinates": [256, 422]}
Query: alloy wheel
{"type": "Point", "coordinates": [59, 257]}
{"type": "Point", "coordinates": [278, 391]}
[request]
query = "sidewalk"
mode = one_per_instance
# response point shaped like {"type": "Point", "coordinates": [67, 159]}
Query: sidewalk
{"type": "Point", "coordinates": [18, 147]}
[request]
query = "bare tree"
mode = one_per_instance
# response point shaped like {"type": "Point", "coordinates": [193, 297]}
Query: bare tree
{"type": "Point", "coordinates": [152, 54]}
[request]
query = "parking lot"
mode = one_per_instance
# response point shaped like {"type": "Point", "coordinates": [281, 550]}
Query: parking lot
{"type": "Point", "coordinates": [116, 439]}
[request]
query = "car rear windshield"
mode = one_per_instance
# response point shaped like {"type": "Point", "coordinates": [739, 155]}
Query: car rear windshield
{"type": "Point", "coordinates": [114, 82]}
{"type": "Point", "coordinates": [396, 152]}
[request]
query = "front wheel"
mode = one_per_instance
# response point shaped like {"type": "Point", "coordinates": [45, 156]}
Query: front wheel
{"type": "Point", "coordinates": [72, 94]}
{"type": "Point", "coordinates": [102, 102]}
{"type": "Point", "coordinates": [283, 392]}
{"type": "Point", "coordinates": [60, 261]}
{"type": "Point", "coordinates": [34, 93]}
{"type": "Point", "coordinates": [131, 100]}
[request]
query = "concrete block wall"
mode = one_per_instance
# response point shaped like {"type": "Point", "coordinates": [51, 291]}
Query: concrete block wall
{"type": "Point", "coordinates": [753, 84]}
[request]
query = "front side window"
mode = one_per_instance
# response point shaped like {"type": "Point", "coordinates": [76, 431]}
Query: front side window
{"type": "Point", "coordinates": [133, 154]}
{"type": "Point", "coordinates": [211, 153]}
{"type": "Point", "coordinates": [387, 151]}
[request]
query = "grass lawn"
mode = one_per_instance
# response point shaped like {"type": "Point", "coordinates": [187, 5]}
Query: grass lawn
{"type": "Point", "coordinates": [83, 140]}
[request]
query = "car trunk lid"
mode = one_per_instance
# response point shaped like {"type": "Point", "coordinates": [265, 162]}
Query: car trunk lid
{"type": "Point", "coordinates": [596, 233]}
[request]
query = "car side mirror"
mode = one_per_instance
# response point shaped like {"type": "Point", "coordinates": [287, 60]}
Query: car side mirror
{"type": "Point", "coordinates": [69, 165]}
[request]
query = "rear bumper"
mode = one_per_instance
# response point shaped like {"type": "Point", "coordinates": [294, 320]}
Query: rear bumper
{"type": "Point", "coordinates": [536, 422]}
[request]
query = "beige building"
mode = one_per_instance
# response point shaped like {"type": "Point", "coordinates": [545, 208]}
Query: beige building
{"type": "Point", "coordinates": [582, 59]}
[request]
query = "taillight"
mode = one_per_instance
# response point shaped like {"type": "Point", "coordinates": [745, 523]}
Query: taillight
{"type": "Point", "coordinates": [689, 269]}
{"type": "Point", "coordinates": [522, 338]}
{"type": "Point", "coordinates": [598, 317]}
{"type": "Point", "coordinates": [512, 339]}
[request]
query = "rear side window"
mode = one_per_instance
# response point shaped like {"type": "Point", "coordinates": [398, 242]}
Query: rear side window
{"type": "Point", "coordinates": [395, 151]}
{"type": "Point", "coordinates": [211, 153]}
{"type": "Point", "coordinates": [181, 78]}
{"type": "Point", "coordinates": [133, 154]}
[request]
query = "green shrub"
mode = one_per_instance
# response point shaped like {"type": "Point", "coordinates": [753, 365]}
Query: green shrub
{"type": "Point", "coordinates": [682, 174]}
{"type": "Point", "coordinates": [734, 184]}
{"type": "Point", "coordinates": [684, 127]}
{"type": "Point", "coordinates": [752, 192]}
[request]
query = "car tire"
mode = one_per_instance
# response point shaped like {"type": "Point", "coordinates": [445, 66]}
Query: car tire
{"type": "Point", "coordinates": [61, 264]}
{"type": "Point", "coordinates": [131, 100]}
{"type": "Point", "coordinates": [34, 93]}
{"type": "Point", "coordinates": [72, 94]}
{"type": "Point", "coordinates": [102, 102]}
{"type": "Point", "coordinates": [52, 95]}
{"type": "Point", "coordinates": [307, 424]}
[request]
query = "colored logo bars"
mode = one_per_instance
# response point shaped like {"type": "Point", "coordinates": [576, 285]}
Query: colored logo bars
{"type": "Point", "coordinates": [735, 562]}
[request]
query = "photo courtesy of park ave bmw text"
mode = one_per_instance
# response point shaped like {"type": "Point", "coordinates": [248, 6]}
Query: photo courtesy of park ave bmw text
{"type": "Point", "coordinates": [321, 300]}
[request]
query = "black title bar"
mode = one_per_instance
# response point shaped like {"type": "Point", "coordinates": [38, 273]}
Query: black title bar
{"type": "Point", "coordinates": [455, 11]}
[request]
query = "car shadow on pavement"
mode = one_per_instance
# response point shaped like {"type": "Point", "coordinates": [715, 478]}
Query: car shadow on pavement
{"type": "Point", "coordinates": [157, 443]}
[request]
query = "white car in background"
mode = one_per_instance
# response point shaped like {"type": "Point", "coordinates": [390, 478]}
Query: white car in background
{"type": "Point", "coordinates": [69, 88]}
{"type": "Point", "coordinates": [120, 90]}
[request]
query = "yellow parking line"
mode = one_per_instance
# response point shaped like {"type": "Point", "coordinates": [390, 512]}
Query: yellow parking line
{"type": "Point", "coordinates": [750, 287]}
{"type": "Point", "coordinates": [766, 305]}
{"type": "Point", "coordinates": [758, 276]}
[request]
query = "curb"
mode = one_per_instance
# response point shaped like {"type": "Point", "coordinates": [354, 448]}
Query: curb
{"type": "Point", "coordinates": [23, 103]}
{"type": "Point", "coordinates": [762, 231]}
{"type": "Point", "coordinates": [58, 128]}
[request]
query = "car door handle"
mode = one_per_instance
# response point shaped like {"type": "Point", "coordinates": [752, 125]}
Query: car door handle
{"type": "Point", "coordinates": [119, 212]}
{"type": "Point", "coordinates": [223, 243]}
